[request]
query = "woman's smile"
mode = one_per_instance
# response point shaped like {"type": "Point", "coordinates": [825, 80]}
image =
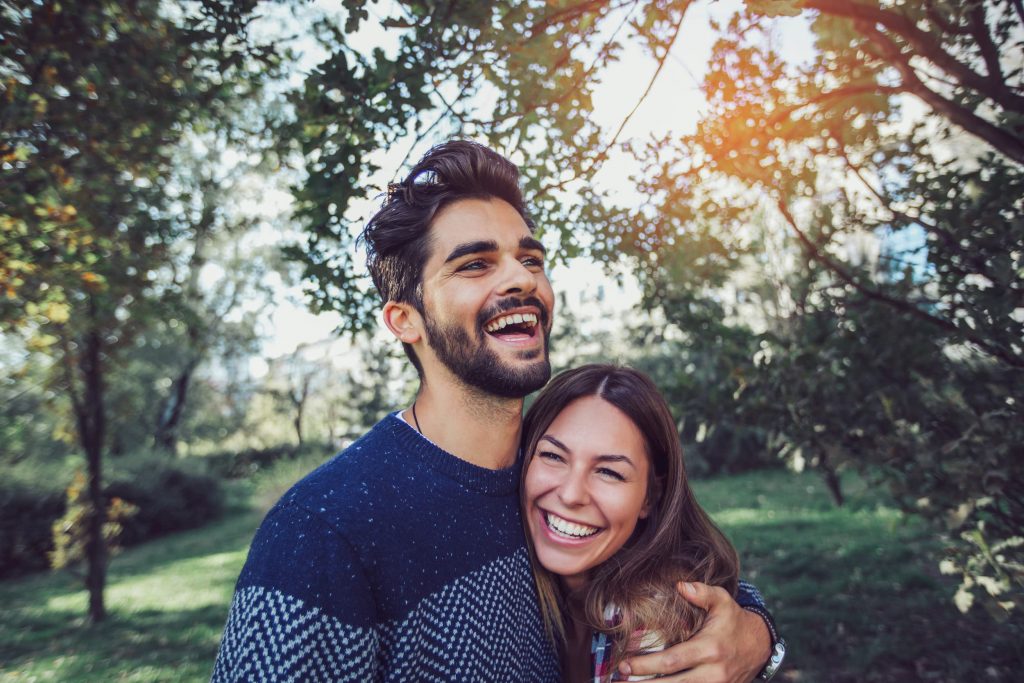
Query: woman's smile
{"type": "Point", "coordinates": [585, 488]}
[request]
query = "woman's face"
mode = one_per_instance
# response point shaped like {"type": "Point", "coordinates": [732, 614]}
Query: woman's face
{"type": "Point", "coordinates": [585, 488]}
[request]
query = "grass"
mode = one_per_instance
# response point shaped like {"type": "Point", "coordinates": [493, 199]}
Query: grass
{"type": "Point", "coordinates": [855, 591]}
{"type": "Point", "coordinates": [167, 603]}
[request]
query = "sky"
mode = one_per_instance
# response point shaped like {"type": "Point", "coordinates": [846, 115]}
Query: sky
{"type": "Point", "coordinates": [674, 105]}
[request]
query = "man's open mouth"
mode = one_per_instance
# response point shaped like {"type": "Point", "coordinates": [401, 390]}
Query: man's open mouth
{"type": "Point", "coordinates": [513, 326]}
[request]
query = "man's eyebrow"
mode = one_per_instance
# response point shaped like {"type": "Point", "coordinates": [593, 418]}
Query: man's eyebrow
{"type": "Point", "coordinates": [477, 247]}
{"type": "Point", "coordinates": [532, 243]}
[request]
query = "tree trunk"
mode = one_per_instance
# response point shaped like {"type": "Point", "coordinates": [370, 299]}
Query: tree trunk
{"type": "Point", "coordinates": [298, 422]}
{"type": "Point", "coordinates": [828, 472]}
{"type": "Point", "coordinates": [91, 426]}
{"type": "Point", "coordinates": [169, 420]}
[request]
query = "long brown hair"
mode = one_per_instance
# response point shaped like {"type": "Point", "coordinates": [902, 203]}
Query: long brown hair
{"type": "Point", "coordinates": [676, 542]}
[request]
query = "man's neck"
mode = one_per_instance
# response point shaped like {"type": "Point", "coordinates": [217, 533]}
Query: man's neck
{"type": "Point", "coordinates": [479, 428]}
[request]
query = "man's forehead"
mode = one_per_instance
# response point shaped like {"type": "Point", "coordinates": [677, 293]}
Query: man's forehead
{"type": "Point", "coordinates": [479, 222]}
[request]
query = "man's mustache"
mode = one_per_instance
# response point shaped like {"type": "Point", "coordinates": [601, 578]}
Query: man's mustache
{"type": "Point", "coordinates": [510, 303]}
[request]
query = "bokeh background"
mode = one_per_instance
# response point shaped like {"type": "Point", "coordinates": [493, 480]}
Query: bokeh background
{"type": "Point", "coordinates": [805, 218]}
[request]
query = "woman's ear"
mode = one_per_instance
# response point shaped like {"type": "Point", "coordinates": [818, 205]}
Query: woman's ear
{"type": "Point", "coordinates": [403, 320]}
{"type": "Point", "coordinates": [653, 494]}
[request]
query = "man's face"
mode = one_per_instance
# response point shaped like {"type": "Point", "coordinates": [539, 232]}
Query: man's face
{"type": "Point", "coordinates": [487, 302]}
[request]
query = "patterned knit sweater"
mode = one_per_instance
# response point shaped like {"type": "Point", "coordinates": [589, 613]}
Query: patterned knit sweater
{"type": "Point", "coordinates": [394, 561]}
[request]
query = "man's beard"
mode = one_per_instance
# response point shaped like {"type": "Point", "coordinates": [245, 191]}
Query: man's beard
{"type": "Point", "coordinates": [478, 365]}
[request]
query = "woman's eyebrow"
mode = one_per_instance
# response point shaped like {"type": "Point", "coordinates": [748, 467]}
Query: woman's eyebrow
{"type": "Point", "coordinates": [606, 457]}
{"type": "Point", "coordinates": [616, 458]}
{"type": "Point", "coordinates": [548, 437]}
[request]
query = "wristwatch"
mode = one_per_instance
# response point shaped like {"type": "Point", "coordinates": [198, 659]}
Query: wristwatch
{"type": "Point", "coordinates": [778, 644]}
{"type": "Point", "coordinates": [775, 661]}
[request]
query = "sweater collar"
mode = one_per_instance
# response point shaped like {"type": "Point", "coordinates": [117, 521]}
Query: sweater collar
{"type": "Point", "coordinates": [501, 482]}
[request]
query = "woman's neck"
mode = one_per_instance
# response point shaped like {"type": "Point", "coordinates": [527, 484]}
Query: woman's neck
{"type": "Point", "coordinates": [576, 661]}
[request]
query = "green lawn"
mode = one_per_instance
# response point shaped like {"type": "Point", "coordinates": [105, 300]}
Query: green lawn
{"type": "Point", "coordinates": [854, 590]}
{"type": "Point", "coordinates": [167, 601]}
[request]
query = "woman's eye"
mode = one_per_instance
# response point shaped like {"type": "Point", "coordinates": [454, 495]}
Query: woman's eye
{"type": "Point", "coordinates": [548, 455]}
{"type": "Point", "coordinates": [610, 473]}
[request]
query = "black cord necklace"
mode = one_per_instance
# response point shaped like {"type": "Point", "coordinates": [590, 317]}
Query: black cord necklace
{"type": "Point", "coordinates": [416, 419]}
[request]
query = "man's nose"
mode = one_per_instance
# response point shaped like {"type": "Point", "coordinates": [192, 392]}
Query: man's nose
{"type": "Point", "coordinates": [517, 278]}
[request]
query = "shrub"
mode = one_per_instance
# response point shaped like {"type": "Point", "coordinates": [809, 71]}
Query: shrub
{"type": "Point", "coordinates": [272, 482]}
{"type": "Point", "coordinates": [241, 464]}
{"type": "Point", "coordinates": [27, 513]}
{"type": "Point", "coordinates": [71, 530]}
{"type": "Point", "coordinates": [171, 495]}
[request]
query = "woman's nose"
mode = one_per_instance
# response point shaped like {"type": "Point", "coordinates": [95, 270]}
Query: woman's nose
{"type": "Point", "coordinates": [573, 490]}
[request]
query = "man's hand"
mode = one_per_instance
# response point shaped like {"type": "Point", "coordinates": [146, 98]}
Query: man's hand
{"type": "Point", "coordinates": [732, 646]}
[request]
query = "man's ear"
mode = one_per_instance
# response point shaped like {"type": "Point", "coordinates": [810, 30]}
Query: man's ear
{"type": "Point", "coordinates": [403, 320]}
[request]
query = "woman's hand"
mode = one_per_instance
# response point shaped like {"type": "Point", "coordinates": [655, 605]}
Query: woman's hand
{"type": "Point", "coordinates": [732, 646]}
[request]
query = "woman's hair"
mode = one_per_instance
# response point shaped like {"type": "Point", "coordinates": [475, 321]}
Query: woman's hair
{"type": "Point", "coordinates": [676, 542]}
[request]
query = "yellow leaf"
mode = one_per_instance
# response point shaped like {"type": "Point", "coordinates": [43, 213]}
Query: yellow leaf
{"type": "Point", "coordinates": [57, 312]}
{"type": "Point", "coordinates": [41, 342]}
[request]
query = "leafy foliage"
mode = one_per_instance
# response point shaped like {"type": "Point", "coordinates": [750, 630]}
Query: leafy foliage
{"type": "Point", "coordinates": [26, 525]}
{"type": "Point", "coordinates": [865, 202]}
{"type": "Point", "coordinates": [98, 95]}
{"type": "Point", "coordinates": [71, 530]}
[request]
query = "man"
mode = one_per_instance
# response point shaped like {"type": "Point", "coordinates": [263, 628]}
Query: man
{"type": "Point", "coordinates": [403, 558]}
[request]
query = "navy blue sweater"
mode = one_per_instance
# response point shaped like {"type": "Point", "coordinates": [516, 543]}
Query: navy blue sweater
{"type": "Point", "coordinates": [394, 561]}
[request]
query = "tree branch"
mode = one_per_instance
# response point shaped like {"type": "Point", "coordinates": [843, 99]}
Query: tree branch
{"type": "Point", "coordinates": [1019, 6]}
{"type": "Point", "coordinates": [602, 156]}
{"type": "Point", "coordinates": [989, 52]}
{"type": "Point", "coordinates": [923, 42]}
{"type": "Point", "coordinates": [902, 305]}
{"type": "Point", "coordinates": [841, 92]}
{"type": "Point", "coordinates": [940, 21]}
{"type": "Point", "coordinates": [568, 14]}
{"type": "Point", "coordinates": [1008, 144]}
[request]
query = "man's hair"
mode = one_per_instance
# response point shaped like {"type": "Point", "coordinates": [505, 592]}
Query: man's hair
{"type": "Point", "coordinates": [397, 237]}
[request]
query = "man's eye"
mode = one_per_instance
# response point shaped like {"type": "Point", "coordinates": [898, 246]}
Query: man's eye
{"type": "Point", "coordinates": [533, 262]}
{"type": "Point", "coordinates": [473, 265]}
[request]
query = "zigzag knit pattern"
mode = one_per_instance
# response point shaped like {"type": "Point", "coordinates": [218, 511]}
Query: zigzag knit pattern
{"type": "Point", "coordinates": [462, 633]}
{"type": "Point", "coordinates": [271, 636]}
{"type": "Point", "coordinates": [395, 561]}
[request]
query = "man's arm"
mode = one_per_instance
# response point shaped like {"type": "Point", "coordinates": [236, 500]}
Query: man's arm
{"type": "Point", "coordinates": [301, 609]}
{"type": "Point", "coordinates": [732, 647]}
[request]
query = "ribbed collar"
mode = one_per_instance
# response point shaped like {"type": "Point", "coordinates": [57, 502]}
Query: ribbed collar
{"type": "Point", "coordinates": [490, 482]}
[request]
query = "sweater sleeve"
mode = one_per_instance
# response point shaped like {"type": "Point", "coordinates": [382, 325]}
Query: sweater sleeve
{"type": "Point", "coordinates": [303, 608]}
{"type": "Point", "coordinates": [747, 595]}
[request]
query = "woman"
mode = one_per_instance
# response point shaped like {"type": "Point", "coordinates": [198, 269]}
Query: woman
{"type": "Point", "coordinates": [611, 522]}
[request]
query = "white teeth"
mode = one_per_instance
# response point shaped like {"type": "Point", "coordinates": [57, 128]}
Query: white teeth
{"type": "Point", "coordinates": [567, 528]}
{"type": "Point", "coordinates": [529, 319]}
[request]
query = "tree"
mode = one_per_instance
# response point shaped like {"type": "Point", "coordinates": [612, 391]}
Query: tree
{"type": "Point", "coordinates": [96, 98]}
{"type": "Point", "coordinates": [902, 132]}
